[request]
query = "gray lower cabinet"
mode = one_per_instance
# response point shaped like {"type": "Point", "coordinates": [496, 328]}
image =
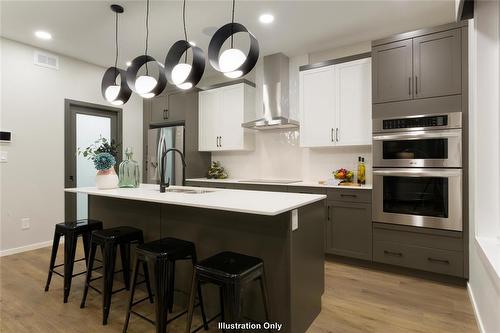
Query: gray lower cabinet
{"type": "Point", "coordinates": [349, 229]}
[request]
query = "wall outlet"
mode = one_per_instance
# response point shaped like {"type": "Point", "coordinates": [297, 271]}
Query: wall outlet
{"type": "Point", "coordinates": [25, 223]}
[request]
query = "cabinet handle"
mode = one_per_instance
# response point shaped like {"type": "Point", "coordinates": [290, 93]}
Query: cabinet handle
{"type": "Point", "coordinates": [331, 135]}
{"type": "Point", "coordinates": [409, 86]}
{"type": "Point", "coordinates": [441, 261]}
{"type": "Point", "coordinates": [217, 141]}
{"type": "Point", "coordinates": [349, 195]}
{"type": "Point", "coordinates": [391, 253]}
{"type": "Point", "coordinates": [220, 141]}
{"type": "Point", "coordinates": [328, 213]}
{"type": "Point", "coordinates": [337, 134]}
{"type": "Point", "coordinates": [165, 114]}
{"type": "Point", "coordinates": [416, 85]}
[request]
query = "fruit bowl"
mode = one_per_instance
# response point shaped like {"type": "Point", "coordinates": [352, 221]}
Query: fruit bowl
{"type": "Point", "coordinates": [343, 174]}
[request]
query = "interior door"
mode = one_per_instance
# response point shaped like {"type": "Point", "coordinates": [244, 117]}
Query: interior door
{"type": "Point", "coordinates": [437, 64]}
{"type": "Point", "coordinates": [392, 72]}
{"type": "Point", "coordinates": [317, 107]}
{"type": "Point", "coordinates": [209, 103]}
{"type": "Point", "coordinates": [84, 124]}
{"type": "Point", "coordinates": [230, 114]}
{"type": "Point", "coordinates": [354, 103]}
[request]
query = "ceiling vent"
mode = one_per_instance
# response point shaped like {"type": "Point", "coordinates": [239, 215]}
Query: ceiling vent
{"type": "Point", "coordinates": [46, 60]}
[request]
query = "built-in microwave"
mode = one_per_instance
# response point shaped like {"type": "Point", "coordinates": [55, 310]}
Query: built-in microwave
{"type": "Point", "coordinates": [418, 197]}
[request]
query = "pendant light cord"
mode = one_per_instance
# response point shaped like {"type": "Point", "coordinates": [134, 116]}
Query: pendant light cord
{"type": "Point", "coordinates": [232, 21]}
{"type": "Point", "coordinates": [185, 30]}
{"type": "Point", "coordinates": [147, 33]}
{"type": "Point", "coordinates": [116, 45]}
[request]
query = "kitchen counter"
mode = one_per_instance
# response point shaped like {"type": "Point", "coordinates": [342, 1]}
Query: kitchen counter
{"type": "Point", "coordinates": [301, 183]}
{"type": "Point", "coordinates": [285, 230]}
{"type": "Point", "coordinates": [252, 202]}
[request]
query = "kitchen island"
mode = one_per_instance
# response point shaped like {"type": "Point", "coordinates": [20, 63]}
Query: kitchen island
{"type": "Point", "coordinates": [286, 230]}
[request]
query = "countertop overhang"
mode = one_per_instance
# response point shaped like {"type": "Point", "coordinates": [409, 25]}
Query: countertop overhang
{"type": "Point", "coordinates": [243, 201]}
{"type": "Point", "coordinates": [300, 183]}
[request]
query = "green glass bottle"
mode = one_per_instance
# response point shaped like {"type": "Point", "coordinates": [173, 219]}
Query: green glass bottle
{"type": "Point", "coordinates": [128, 173]}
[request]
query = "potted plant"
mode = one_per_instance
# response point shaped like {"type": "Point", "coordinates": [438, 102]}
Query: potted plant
{"type": "Point", "coordinates": [103, 153]}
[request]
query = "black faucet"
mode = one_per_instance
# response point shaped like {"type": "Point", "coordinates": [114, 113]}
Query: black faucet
{"type": "Point", "coordinates": [164, 185]}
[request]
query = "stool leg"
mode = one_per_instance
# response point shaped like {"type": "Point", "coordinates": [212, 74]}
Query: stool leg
{"type": "Point", "coordinates": [70, 239]}
{"type": "Point", "coordinates": [125, 256]}
{"type": "Point", "coordinates": [171, 285]}
{"type": "Point", "coordinates": [87, 238]}
{"type": "Point", "coordinates": [131, 296]}
{"type": "Point", "coordinates": [161, 285]}
{"type": "Point", "coordinates": [55, 246]}
{"type": "Point", "coordinates": [88, 276]}
{"type": "Point", "coordinates": [265, 299]}
{"type": "Point", "coordinates": [232, 299]}
{"type": "Point", "coordinates": [148, 281]}
{"type": "Point", "coordinates": [192, 295]}
{"type": "Point", "coordinates": [109, 259]}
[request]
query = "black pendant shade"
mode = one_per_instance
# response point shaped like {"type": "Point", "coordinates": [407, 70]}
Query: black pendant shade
{"type": "Point", "coordinates": [174, 55]}
{"type": "Point", "coordinates": [109, 79]}
{"type": "Point", "coordinates": [221, 36]}
{"type": "Point", "coordinates": [134, 67]}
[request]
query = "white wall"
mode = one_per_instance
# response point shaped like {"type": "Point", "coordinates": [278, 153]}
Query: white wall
{"type": "Point", "coordinates": [32, 107]}
{"type": "Point", "coordinates": [277, 153]}
{"type": "Point", "coordinates": [484, 173]}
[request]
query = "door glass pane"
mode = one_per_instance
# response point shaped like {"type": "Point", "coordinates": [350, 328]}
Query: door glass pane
{"type": "Point", "coordinates": [425, 196]}
{"type": "Point", "coordinates": [415, 149]}
{"type": "Point", "coordinates": [88, 130]}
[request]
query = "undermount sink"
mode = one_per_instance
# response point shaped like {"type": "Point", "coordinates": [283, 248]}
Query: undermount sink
{"type": "Point", "coordinates": [187, 190]}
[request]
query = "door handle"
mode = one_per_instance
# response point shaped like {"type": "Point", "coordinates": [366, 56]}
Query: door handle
{"type": "Point", "coordinates": [416, 85]}
{"type": "Point", "coordinates": [409, 86]}
{"type": "Point", "coordinates": [391, 253]}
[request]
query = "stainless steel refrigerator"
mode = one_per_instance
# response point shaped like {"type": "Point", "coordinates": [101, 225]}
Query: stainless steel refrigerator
{"type": "Point", "coordinates": [160, 139]}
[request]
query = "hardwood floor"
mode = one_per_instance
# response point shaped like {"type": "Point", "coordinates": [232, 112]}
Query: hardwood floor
{"type": "Point", "coordinates": [356, 299]}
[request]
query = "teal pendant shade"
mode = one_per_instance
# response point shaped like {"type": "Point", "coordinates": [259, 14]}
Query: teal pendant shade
{"type": "Point", "coordinates": [129, 175]}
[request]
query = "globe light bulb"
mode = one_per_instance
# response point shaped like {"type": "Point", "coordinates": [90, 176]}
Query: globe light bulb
{"type": "Point", "coordinates": [180, 73]}
{"type": "Point", "coordinates": [231, 59]}
{"type": "Point", "coordinates": [111, 93]}
{"type": "Point", "coordinates": [117, 102]}
{"type": "Point", "coordinates": [144, 84]}
{"type": "Point", "coordinates": [234, 75]}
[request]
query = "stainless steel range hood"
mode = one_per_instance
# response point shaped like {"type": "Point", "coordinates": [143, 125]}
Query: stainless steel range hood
{"type": "Point", "coordinates": [275, 96]}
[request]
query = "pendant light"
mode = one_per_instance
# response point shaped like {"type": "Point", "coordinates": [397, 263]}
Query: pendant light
{"type": "Point", "coordinates": [232, 62]}
{"type": "Point", "coordinates": [111, 91]}
{"type": "Point", "coordinates": [146, 85]}
{"type": "Point", "coordinates": [184, 75]}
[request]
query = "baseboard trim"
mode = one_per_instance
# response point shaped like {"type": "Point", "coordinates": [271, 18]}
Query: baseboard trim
{"type": "Point", "coordinates": [474, 306]}
{"type": "Point", "coordinates": [30, 247]}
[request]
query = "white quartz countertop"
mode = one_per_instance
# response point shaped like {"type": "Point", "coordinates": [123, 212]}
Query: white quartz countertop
{"type": "Point", "coordinates": [251, 202]}
{"type": "Point", "coordinates": [300, 183]}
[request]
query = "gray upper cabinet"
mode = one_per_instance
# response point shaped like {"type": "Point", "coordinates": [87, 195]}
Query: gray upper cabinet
{"type": "Point", "coordinates": [168, 108]}
{"type": "Point", "coordinates": [437, 64]}
{"type": "Point", "coordinates": [392, 72]}
{"type": "Point", "coordinates": [419, 67]}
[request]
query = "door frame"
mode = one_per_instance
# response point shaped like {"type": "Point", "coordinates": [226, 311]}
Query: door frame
{"type": "Point", "coordinates": [70, 145]}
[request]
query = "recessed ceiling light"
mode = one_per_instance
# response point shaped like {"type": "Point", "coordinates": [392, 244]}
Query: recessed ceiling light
{"type": "Point", "coordinates": [128, 63]}
{"type": "Point", "coordinates": [266, 18]}
{"type": "Point", "coordinates": [192, 43]}
{"type": "Point", "coordinates": [43, 35]}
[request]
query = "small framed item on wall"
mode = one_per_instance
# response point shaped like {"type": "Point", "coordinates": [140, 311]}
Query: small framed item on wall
{"type": "Point", "coordinates": [5, 136]}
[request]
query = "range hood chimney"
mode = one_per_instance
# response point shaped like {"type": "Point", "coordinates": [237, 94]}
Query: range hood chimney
{"type": "Point", "coordinates": [274, 96]}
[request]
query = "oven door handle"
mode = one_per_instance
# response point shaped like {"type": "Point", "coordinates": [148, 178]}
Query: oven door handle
{"type": "Point", "coordinates": [419, 135]}
{"type": "Point", "coordinates": [419, 172]}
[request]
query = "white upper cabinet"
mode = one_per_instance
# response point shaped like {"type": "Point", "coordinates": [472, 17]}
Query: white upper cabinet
{"type": "Point", "coordinates": [335, 105]}
{"type": "Point", "coordinates": [221, 113]}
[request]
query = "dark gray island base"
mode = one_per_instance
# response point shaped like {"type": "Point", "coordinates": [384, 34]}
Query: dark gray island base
{"type": "Point", "coordinates": [294, 260]}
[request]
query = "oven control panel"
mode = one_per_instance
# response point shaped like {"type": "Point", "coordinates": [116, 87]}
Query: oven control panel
{"type": "Point", "coordinates": [431, 121]}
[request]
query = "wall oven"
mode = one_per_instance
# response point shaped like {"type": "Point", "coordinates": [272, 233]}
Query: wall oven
{"type": "Point", "coordinates": [417, 171]}
{"type": "Point", "coordinates": [418, 197]}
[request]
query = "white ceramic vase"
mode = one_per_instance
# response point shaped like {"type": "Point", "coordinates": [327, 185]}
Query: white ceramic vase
{"type": "Point", "coordinates": [106, 179]}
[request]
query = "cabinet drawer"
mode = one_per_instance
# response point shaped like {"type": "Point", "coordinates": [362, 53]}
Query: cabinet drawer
{"type": "Point", "coordinates": [349, 195]}
{"type": "Point", "coordinates": [309, 190]}
{"type": "Point", "coordinates": [438, 239]}
{"type": "Point", "coordinates": [423, 258]}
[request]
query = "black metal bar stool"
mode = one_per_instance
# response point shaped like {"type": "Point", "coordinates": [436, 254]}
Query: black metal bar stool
{"type": "Point", "coordinates": [70, 231]}
{"type": "Point", "coordinates": [231, 272]}
{"type": "Point", "coordinates": [161, 255]}
{"type": "Point", "coordinates": [109, 240]}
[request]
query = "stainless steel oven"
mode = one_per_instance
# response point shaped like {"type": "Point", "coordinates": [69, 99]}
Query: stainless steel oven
{"type": "Point", "coordinates": [425, 141]}
{"type": "Point", "coordinates": [418, 197]}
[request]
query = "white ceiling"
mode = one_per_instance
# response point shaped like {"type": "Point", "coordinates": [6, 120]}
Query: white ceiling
{"type": "Point", "coordinates": [85, 29]}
